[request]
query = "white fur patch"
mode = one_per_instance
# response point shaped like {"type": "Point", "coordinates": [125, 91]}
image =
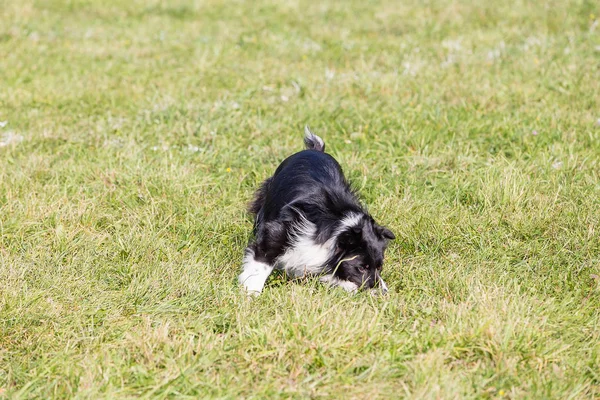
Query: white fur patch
{"type": "Point", "coordinates": [305, 257]}
{"type": "Point", "coordinates": [254, 274]}
{"type": "Point", "coordinates": [350, 220]}
{"type": "Point", "coordinates": [337, 282]}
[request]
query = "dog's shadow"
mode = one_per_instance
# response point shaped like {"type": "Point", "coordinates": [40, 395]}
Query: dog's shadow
{"type": "Point", "coordinates": [279, 278]}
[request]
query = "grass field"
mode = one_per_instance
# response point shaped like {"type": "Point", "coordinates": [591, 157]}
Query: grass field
{"type": "Point", "coordinates": [134, 133]}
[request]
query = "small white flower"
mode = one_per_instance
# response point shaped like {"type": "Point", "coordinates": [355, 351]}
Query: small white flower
{"type": "Point", "coordinates": [115, 143]}
{"type": "Point", "coordinates": [284, 98]}
{"type": "Point", "coordinates": [452, 45]}
{"type": "Point", "coordinates": [235, 105]}
{"type": "Point", "coordinates": [329, 74]}
{"type": "Point", "coordinates": [9, 138]}
{"type": "Point", "coordinates": [311, 45]}
{"type": "Point", "coordinates": [3, 124]}
{"type": "Point", "coordinates": [411, 68]}
{"type": "Point", "coordinates": [531, 42]}
{"type": "Point", "coordinates": [557, 165]}
{"type": "Point", "coordinates": [493, 54]}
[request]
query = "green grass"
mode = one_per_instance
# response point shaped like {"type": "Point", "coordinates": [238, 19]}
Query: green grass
{"type": "Point", "coordinates": [138, 130]}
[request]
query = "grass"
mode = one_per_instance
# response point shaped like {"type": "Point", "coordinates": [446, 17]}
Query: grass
{"type": "Point", "coordinates": [137, 131]}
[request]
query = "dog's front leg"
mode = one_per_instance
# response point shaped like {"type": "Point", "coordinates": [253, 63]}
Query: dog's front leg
{"type": "Point", "coordinates": [254, 273]}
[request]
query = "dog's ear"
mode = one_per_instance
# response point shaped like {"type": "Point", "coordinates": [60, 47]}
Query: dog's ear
{"type": "Point", "coordinates": [384, 232]}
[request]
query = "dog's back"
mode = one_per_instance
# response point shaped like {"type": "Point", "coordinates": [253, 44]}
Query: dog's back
{"type": "Point", "coordinates": [309, 176]}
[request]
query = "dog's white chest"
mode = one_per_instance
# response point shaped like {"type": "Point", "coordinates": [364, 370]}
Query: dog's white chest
{"type": "Point", "coordinates": [305, 257]}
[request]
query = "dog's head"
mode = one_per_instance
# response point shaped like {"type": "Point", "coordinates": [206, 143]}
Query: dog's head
{"type": "Point", "coordinates": [360, 251]}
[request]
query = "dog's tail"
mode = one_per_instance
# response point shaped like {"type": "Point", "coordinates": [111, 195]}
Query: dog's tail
{"type": "Point", "coordinates": [312, 141]}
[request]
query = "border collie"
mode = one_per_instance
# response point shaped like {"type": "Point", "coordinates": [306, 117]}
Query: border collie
{"type": "Point", "coordinates": [308, 222]}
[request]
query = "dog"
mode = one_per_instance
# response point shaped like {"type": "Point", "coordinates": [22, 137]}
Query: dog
{"type": "Point", "coordinates": [308, 221]}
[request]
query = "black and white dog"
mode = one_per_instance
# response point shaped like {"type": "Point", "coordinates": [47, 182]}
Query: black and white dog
{"type": "Point", "coordinates": [309, 222]}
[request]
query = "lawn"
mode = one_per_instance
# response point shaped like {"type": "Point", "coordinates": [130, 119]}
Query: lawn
{"type": "Point", "coordinates": [133, 134]}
